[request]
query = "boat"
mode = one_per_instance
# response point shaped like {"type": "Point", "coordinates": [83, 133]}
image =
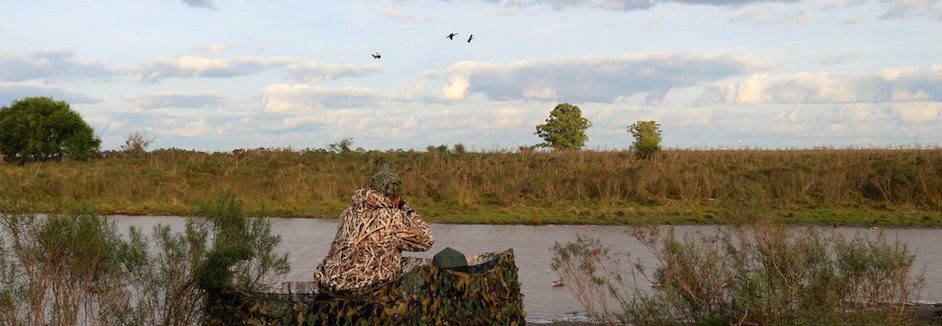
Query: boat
{"type": "Point", "coordinates": [486, 292]}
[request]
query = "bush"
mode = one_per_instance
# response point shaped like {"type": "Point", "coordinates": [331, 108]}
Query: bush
{"type": "Point", "coordinates": [343, 146]}
{"type": "Point", "coordinates": [76, 268]}
{"type": "Point", "coordinates": [760, 274]}
{"type": "Point", "coordinates": [564, 129]}
{"type": "Point", "coordinates": [40, 128]}
{"type": "Point", "coordinates": [647, 136]}
{"type": "Point", "coordinates": [136, 143]}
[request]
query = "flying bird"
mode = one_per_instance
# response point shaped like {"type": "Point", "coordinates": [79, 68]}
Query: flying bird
{"type": "Point", "coordinates": [376, 55]}
{"type": "Point", "coordinates": [452, 36]}
{"type": "Point", "coordinates": [470, 38]}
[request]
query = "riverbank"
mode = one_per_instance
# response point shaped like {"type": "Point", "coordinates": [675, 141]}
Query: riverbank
{"type": "Point", "coordinates": [894, 187]}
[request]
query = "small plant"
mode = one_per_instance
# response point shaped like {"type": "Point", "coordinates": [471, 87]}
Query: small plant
{"type": "Point", "coordinates": [564, 129]}
{"type": "Point", "coordinates": [647, 136]}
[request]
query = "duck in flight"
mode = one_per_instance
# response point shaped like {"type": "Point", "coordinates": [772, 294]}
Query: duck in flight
{"type": "Point", "coordinates": [470, 38]}
{"type": "Point", "coordinates": [376, 55]}
{"type": "Point", "coordinates": [452, 36]}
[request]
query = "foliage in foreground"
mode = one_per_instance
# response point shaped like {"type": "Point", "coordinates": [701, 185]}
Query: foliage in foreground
{"type": "Point", "coordinates": [759, 274]}
{"type": "Point", "coordinates": [79, 269]}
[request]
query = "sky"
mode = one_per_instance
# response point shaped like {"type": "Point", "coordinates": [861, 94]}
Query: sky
{"type": "Point", "coordinates": [217, 75]}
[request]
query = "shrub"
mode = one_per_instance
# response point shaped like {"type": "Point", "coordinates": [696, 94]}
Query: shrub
{"type": "Point", "coordinates": [564, 129]}
{"type": "Point", "coordinates": [136, 143]}
{"type": "Point", "coordinates": [759, 274]}
{"type": "Point", "coordinates": [343, 146]}
{"type": "Point", "coordinates": [40, 128]}
{"type": "Point", "coordinates": [647, 136]}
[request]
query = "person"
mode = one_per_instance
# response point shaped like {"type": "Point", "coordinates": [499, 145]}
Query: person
{"type": "Point", "coordinates": [371, 235]}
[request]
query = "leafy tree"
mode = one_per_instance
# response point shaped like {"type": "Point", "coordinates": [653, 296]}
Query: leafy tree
{"type": "Point", "coordinates": [647, 136]}
{"type": "Point", "coordinates": [41, 128]}
{"type": "Point", "coordinates": [564, 129]}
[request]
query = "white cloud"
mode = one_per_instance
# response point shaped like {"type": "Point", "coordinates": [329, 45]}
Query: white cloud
{"type": "Point", "coordinates": [768, 15]}
{"type": "Point", "coordinates": [200, 67]}
{"type": "Point", "coordinates": [912, 9]}
{"type": "Point", "coordinates": [14, 91]}
{"type": "Point", "coordinates": [211, 49]}
{"type": "Point", "coordinates": [302, 98]}
{"type": "Point", "coordinates": [177, 99]}
{"type": "Point", "coordinates": [397, 14]}
{"type": "Point", "coordinates": [626, 5]}
{"type": "Point", "coordinates": [52, 65]}
{"type": "Point", "coordinates": [588, 79]}
{"type": "Point", "coordinates": [889, 85]}
{"type": "Point", "coordinates": [208, 4]}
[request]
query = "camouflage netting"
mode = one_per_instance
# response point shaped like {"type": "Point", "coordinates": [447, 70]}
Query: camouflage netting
{"type": "Point", "coordinates": [488, 293]}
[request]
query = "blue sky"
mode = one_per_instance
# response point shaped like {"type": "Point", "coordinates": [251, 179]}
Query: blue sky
{"type": "Point", "coordinates": [220, 74]}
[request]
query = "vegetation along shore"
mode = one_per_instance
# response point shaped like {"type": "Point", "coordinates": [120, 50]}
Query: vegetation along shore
{"type": "Point", "coordinates": [452, 185]}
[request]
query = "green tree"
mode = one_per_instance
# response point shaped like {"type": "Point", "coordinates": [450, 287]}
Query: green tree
{"type": "Point", "coordinates": [41, 128]}
{"type": "Point", "coordinates": [647, 136]}
{"type": "Point", "coordinates": [564, 129]}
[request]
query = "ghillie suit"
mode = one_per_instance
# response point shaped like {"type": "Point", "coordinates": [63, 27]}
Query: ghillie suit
{"type": "Point", "coordinates": [487, 293]}
{"type": "Point", "coordinates": [371, 236]}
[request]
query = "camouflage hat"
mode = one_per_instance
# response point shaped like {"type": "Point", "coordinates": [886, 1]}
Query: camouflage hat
{"type": "Point", "coordinates": [387, 182]}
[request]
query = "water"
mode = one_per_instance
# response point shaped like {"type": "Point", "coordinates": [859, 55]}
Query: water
{"type": "Point", "coordinates": [307, 242]}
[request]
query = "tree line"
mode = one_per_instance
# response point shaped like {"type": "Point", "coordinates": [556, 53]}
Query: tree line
{"type": "Point", "coordinates": [42, 129]}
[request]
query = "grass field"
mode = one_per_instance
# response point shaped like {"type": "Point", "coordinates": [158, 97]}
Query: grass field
{"type": "Point", "coordinates": [859, 186]}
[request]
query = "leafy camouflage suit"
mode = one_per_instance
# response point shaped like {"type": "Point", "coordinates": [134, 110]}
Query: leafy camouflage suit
{"type": "Point", "coordinates": [371, 236]}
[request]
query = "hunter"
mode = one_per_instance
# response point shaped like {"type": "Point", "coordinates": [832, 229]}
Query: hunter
{"type": "Point", "coordinates": [371, 235]}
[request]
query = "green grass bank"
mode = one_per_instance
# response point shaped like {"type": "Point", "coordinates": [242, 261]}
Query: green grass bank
{"type": "Point", "coordinates": [844, 186]}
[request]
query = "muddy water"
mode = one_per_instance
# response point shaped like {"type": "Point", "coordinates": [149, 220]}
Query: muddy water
{"type": "Point", "coordinates": [307, 241]}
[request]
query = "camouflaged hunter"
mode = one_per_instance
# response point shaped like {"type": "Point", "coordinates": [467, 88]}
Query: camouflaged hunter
{"type": "Point", "coordinates": [371, 236]}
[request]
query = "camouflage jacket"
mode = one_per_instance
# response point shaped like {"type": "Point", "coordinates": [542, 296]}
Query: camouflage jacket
{"type": "Point", "coordinates": [371, 236]}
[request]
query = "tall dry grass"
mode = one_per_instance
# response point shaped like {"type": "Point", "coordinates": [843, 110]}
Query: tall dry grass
{"type": "Point", "coordinates": [320, 182]}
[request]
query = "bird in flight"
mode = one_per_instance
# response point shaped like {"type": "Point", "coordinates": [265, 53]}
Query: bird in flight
{"type": "Point", "coordinates": [376, 55]}
{"type": "Point", "coordinates": [452, 36]}
{"type": "Point", "coordinates": [470, 38]}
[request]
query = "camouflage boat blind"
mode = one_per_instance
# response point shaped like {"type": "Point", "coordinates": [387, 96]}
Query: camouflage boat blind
{"type": "Point", "coordinates": [486, 293]}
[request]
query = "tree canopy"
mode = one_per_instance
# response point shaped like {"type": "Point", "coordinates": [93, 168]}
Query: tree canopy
{"type": "Point", "coordinates": [564, 129]}
{"type": "Point", "coordinates": [647, 136]}
{"type": "Point", "coordinates": [41, 128]}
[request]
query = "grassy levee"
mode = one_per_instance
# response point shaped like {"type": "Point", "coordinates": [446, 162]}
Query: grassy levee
{"type": "Point", "coordinates": [863, 186]}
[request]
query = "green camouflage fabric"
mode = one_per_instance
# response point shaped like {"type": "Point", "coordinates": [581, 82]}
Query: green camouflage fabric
{"type": "Point", "coordinates": [388, 183]}
{"type": "Point", "coordinates": [371, 236]}
{"type": "Point", "coordinates": [488, 293]}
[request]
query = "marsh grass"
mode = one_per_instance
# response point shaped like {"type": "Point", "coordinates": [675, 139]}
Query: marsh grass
{"type": "Point", "coordinates": [887, 186]}
{"type": "Point", "coordinates": [76, 268]}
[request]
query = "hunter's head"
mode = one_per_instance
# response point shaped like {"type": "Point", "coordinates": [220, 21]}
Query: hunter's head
{"type": "Point", "coordinates": [388, 183]}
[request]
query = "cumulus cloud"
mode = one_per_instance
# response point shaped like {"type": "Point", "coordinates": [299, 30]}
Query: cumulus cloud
{"type": "Point", "coordinates": [211, 49]}
{"type": "Point", "coordinates": [889, 85]}
{"type": "Point", "coordinates": [191, 67]}
{"type": "Point", "coordinates": [397, 14]}
{"type": "Point", "coordinates": [50, 66]}
{"type": "Point", "coordinates": [10, 92]}
{"type": "Point", "coordinates": [589, 79]}
{"type": "Point", "coordinates": [302, 98]}
{"type": "Point", "coordinates": [208, 4]}
{"type": "Point", "coordinates": [178, 100]}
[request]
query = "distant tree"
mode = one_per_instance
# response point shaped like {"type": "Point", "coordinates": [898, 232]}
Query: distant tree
{"type": "Point", "coordinates": [136, 143]}
{"type": "Point", "coordinates": [41, 128]}
{"type": "Point", "coordinates": [564, 129]}
{"type": "Point", "coordinates": [342, 146]}
{"type": "Point", "coordinates": [459, 148]}
{"type": "Point", "coordinates": [647, 136]}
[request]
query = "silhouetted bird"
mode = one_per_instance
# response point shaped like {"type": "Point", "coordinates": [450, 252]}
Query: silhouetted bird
{"type": "Point", "coordinates": [470, 38]}
{"type": "Point", "coordinates": [376, 55]}
{"type": "Point", "coordinates": [452, 36]}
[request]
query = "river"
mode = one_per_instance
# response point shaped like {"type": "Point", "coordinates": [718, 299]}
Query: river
{"type": "Point", "coordinates": [307, 241]}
